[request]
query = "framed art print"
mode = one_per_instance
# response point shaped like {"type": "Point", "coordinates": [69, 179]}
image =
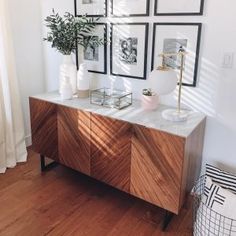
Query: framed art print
{"type": "Point", "coordinates": [93, 8]}
{"type": "Point", "coordinates": [96, 56]}
{"type": "Point", "coordinates": [124, 8]}
{"type": "Point", "coordinates": [173, 38]}
{"type": "Point", "coordinates": [128, 52]}
{"type": "Point", "coordinates": [178, 7]}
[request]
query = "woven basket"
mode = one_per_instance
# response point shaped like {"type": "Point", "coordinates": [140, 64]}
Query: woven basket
{"type": "Point", "coordinates": [207, 222]}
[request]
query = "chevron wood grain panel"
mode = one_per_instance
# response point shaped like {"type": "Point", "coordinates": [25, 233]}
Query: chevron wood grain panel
{"type": "Point", "coordinates": [111, 151]}
{"type": "Point", "coordinates": [44, 128]}
{"type": "Point", "coordinates": [156, 167]}
{"type": "Point", "coordinates": [74, 138]}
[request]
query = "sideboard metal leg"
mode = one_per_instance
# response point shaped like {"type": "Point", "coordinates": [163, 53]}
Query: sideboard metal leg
{"type": "Point", "coordinates": [167, 219]}
{"type": "Point", "coordinates": [45, 167]}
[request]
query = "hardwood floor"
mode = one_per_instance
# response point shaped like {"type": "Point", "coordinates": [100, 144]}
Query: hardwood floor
{"type": "Point", "coordinates": [64, 202]}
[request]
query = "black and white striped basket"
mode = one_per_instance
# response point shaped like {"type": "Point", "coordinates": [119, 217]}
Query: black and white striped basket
{"type": "Point", "coordinates": [207, 222]}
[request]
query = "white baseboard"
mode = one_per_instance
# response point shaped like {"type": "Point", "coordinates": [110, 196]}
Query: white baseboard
{"type": "Point", "coordinates": [28, 140]}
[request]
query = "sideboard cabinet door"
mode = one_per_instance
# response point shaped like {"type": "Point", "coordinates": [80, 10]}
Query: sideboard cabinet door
{"type": "Point", "coordinates": [111, 151]}
{"type": "Point", "coordinates": [74, 138]}
{"type": "Point", "coordinates": [156, 167]}
{"type": "Point", "coordinates": [44, 128]}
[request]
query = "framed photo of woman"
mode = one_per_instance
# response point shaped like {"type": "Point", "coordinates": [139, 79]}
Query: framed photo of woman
{"type": "Point", "coordinates": [128, 50]}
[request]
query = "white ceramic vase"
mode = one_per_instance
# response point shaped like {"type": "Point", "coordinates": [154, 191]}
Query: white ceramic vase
{"type": "Point", "coordinates": [68, 69]}
{"type": "Point", "coordinates": [83, 81]}
{"type": "Point", "coordinates": [66, 89]}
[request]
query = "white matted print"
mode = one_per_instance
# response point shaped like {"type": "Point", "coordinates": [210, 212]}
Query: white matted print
{"type": "Point", "coordinates": [130, 7]}
{"type": "Point", "coordinates": [91, 7]}
{"type": "Point", "coordinates": [179, 7]}
{"type": "Point", "coordinates": [96, 56]}
{"type": "Point", "coordinates": [174, 45]}
{"type": "Point", "coordinates": [173, 38]}
{"type": "Point", "coordinates": [129, 50]}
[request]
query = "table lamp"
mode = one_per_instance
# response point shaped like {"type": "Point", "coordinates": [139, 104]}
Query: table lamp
{"type": "Point", "coordinates": [165, 79]}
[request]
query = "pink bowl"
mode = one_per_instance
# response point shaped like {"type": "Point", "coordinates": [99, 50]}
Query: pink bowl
{"type": "Point", "coordinates": [150, 102]}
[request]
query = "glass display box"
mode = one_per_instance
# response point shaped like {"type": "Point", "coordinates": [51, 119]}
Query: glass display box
{"type": "Point", "coordinates": [111, 98]}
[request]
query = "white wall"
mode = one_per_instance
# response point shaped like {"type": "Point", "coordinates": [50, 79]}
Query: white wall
{"type": "Point", "coordinates": [26, 26]}
{"type": "Point", "coordinates": [215, 94]}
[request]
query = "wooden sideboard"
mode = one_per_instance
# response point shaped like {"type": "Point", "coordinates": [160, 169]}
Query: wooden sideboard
{"type": "Point", "coordinates": [132, 150]}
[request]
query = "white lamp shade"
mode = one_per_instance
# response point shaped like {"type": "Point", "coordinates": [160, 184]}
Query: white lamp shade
{"type": "Point", "coordinates": [163, 82]}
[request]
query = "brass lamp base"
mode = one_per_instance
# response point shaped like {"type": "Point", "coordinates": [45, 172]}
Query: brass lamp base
{"type": "Point", "coordinates": [175, 115]}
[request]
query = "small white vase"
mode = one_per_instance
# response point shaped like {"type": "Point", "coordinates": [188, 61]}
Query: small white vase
{"type": "Point", "coordinates": [68, 69]}
{"type": "Point", "coordinates": [66, 89]}
{"type": "Point", "coordinates": [83, 81]}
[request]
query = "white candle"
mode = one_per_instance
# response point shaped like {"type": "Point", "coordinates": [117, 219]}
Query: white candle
{"type": "Point", "coordinates": [83, 77]}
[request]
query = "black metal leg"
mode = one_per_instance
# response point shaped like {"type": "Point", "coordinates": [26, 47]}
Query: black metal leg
{"type": "Point", "coordinates": [167, 219]}
{"type": "Point", "coordinates": [45, 167]}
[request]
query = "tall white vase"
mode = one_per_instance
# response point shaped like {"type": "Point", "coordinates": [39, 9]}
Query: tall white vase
{"type": "Point", "coordinates": [68, 69]}
{"type": "Point", "coordinates": [66, 89]}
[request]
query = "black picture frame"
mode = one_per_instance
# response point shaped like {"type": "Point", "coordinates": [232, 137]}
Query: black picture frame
{"type": "Point", "coordinates": [200, 13]}
{"type": "Point", "coordinates": [146, 25]}
{"type": "Point", "coordinates": [104, 72]}
{"type": "Point", "coordinates": [198, 43]}
{"type": "Point", "coordinates": [147, 13]}
{"type": "Point", "coordinates": [89, 15]}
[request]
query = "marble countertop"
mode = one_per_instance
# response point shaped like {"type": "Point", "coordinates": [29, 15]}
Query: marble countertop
{"type": "Point", "coordinates": [133, 114]}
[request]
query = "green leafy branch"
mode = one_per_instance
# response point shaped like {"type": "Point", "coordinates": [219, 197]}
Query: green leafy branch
{"type": "Point", "coordinates": [68, 31]}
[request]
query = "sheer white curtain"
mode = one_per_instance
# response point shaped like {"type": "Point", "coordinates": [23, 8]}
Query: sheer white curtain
{"type": "Point", "coordinates": [12, 138]}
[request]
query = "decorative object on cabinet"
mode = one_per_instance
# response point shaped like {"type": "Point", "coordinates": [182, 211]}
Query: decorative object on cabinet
{"type": "Point", "coordinates": [83, 81]}
{"type": "Point", "coordinates": [131, 8]}
{"type": "Point", "coordinates": [66, 89]}
{"type": "Point", "coordinates": [135, 151]}
{"type": "Point", "coordinates": [67, 70]}
{"type": "Point", "coordinates": [111, 98]}
{"type": "Point", "coordinates": [91, 8]}
{"type": "Point", "coordinates": [162, 74]}
{"type": "Point", "coordinates": [94, 54]}
{"type": "Point", "coordinates": [171, 38]}
{"type": "Point", "coordinates": [65, 33]}
{"type": "Point", "coordinates": [150, 100]}
{"type": "Point", "coordinates": [163, 79]}
{"type": "Point", "coordinates": [178, 7]}
{"type": "Point", "coordinates": [128, 54]}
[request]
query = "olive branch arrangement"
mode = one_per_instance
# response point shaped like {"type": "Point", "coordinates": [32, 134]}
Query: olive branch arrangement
{"type": "Point", "coordinates": [66, 33]}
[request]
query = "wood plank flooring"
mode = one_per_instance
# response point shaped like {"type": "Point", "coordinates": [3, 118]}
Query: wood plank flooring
{"type": "Point", "coordinates": [64, 202]}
